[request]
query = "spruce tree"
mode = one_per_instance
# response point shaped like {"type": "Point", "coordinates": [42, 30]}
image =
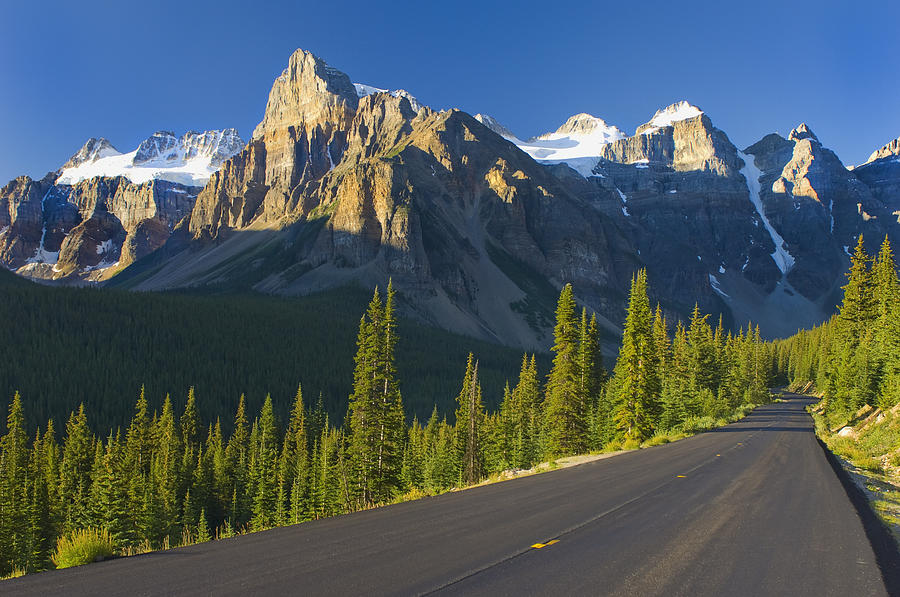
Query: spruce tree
{"type": "Point", "coordinates": [565, 412]}
{"type": "Point", "coordinates": [636, 368]}
{"type": "Point", "coordinates": [886, 338]}
{"type": "Point", "coordinates": [856, 311]}
{"type": "Point", "coordinates": [237, 465]}
{"type": "Point", "coordinates": [75, 471]}
{"type": "Point", "coordinates": [14, 547]}
{"type": "Point", "coordinates": [375, 413]}
{"type": "Point", "coordinates": [264, 469]}
{"type": "Point", "coordinates": [470, 427]}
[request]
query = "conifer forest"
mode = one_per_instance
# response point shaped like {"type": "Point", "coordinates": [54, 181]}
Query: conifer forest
{"type": "Point", "coordinates": [173, 474]}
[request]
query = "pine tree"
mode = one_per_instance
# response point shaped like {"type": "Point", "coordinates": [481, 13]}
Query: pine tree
{"type": "Point", "coordinates": [856, 311]}
{"type": "Point", "coordinates": [112, 482]}
{"type": "Point", "coordinates": [264, 469]}
{"type": "Point", "coordinates": [293, 464]}
{"type": "Point", "coordinates": [202, 532]}
{"type": "Point", "coordinates": [412, 474]}
{"type": "Point", "coordinates": [564, 410]}
{"type": "Point", "coordinates": [165, 471]}
{"type": "Point", "coordinates": [41, 530]}
{"type": "Point", "coordinates": [190, 423]}
{"type": "Point", "coordinates": [14, 548]}
{"type": "Point", "coordinates": [662, 357]}
{"type": "Point", "coordinates": [75, 471]}
{"type": "Point", "coordinates": [702, 353]}
{"type": "Point", "coordinates": [237, 466]}
{"type": "Point", "coordinates": [886, 339]}
{"type": "Point", "coordinates": [590, 368]}
{"type": "Point", "coordinates": [375, 414]}
{"type": "Point", "coordinates": [636, 367]}
{"type": "Point", "coordinates": [470, 427]}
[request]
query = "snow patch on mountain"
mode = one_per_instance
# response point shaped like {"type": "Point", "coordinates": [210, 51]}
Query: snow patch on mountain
{"type": "Point", "coordinates": [716, 285]}
{"type": "Point", "coordinates": [189, 160]}
{"type": "Point", "coordinates": [670, 115]}
{"type": "Point", "coordinates": [576, 143]}
{"type": "Point", "coordinates": [783, 259]}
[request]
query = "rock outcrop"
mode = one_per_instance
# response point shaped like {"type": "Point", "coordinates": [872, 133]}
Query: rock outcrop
{"type": "Point", "coordinates": [881, 173]}
{"type": "Point", "coordinates": [74, 222]}
{"type": "Point", "coordinates": [817, 205]}
{"type": "Point", "coordinates": [891, 149]}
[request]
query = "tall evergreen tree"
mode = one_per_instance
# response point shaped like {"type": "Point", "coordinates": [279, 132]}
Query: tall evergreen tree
{"type": "Point", "coordinates": [375, 414]}
{"type": "Point", "coordinates": [636, 368]}
{"type": "Point", "coordinates": [264, 471]}
{"type": "Point", "coordinates": [886, 338]}
{"type": "Point", "coordinates": [75, 471]}
{"type": "Point", "coordinates": [14, 548]}
{"type": "Point", "coordinates": [564, 409]}
{"type": "Point", "coordinates": [237, 461]}
{"type": "Point", "coordinates": [470, 427]}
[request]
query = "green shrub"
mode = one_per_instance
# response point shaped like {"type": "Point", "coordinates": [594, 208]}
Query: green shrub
{"type": "Point", "coordinates": [657, 439]}
{"type": "Point", "coordinates": [631, 444]}
{"type": "Point", "coordinates": [698, 424]}
{"type": "Point", "coordinates": [83, 547]}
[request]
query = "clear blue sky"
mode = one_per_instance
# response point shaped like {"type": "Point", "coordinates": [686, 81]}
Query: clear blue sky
{"type": "Point", "coordinates": [70, 70]}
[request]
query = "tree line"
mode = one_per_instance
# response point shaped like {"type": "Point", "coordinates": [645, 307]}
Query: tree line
{"type": "Point", "coordinates": [854, 358]}
{"type": "Point", "coordinates": [168, 478]}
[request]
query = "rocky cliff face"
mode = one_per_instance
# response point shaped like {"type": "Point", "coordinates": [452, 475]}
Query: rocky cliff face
{"type": "Point", "coordinates": [881, 173]}
{"type": "Point", "coordinates": [347, 183]}
{"type": "Point", "coordinates": [103, 209]}
{"type": "Point", "coordinates": [817, 206]}
{"type": "Point", "coordinates": [680, 192]}
{"type": "Point", "coordinates": [477, 235]}
{"type": "Point", "coordinates": [59, 231]}
{"type": "Point", "coordinates": [891, 149]}
{"type": "Point", "coordinates": [338, 186]}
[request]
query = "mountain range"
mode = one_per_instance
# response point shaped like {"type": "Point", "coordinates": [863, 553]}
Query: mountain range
{"type": "Point", "coordinates": [345, 183]}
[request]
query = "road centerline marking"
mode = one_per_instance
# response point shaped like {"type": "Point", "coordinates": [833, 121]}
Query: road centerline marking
{"type": "Point", "coordinates": [542, 545]}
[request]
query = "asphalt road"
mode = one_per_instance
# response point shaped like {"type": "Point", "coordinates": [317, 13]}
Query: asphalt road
{"type": "Point", "coordinates": [751, 509]}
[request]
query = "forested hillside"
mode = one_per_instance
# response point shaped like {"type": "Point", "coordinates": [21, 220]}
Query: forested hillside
{"type": "Point", "coordinates": [60, 347]}
{"type": "Point", "coordinates": [172, 476]}
{"type": "Point", "coordinates": [853, 359]}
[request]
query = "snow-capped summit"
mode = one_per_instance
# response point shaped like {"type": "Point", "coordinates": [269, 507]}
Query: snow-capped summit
{"type": "Point", "coordinates": [91, 151]}
{"type": "Point", "coordinates": [189, 160]}
{"type": "Point", "coordinates": [584, 125]}
{"type": "Point", "coordinates": [577, 142]}
{"type": "Point", "coordinates": [669, 115]}
{"type": "Point", "coordinates": [362, 90]}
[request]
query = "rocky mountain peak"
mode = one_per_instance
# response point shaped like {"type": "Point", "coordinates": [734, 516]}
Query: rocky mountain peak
{"type": "Point", "coordinates": [585, 124]}
{"type": "Point", "coordinates": [218, 146]}
{"type": "Point", "coordinates": [188, 160]}
{"type": "Point", "coordinates": [158, 145]}
{"type": "Point", "coordinates": [890, 149]}
{"type": "Point", "coordinates": [308, 90]}
{"type": "Point", "coordinates": [491, 123]}
{"type": "Point", "coordinates": [91, 151]}
{"type": "Point", "coordinates": [802, 132]}
{"type": "Point", "coordinates": [668, 116]}
{"type": "Point", "coordinates": [363, 90]}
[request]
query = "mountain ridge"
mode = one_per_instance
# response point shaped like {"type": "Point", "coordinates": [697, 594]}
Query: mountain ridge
{"type": "Point", "coordinates": [344, 182]}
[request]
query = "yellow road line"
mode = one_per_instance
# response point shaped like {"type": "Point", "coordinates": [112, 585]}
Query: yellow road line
{"type": "Point", "coordinates": [541, 545]}
{"type": "Point", "coordinates": [681, 476]}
